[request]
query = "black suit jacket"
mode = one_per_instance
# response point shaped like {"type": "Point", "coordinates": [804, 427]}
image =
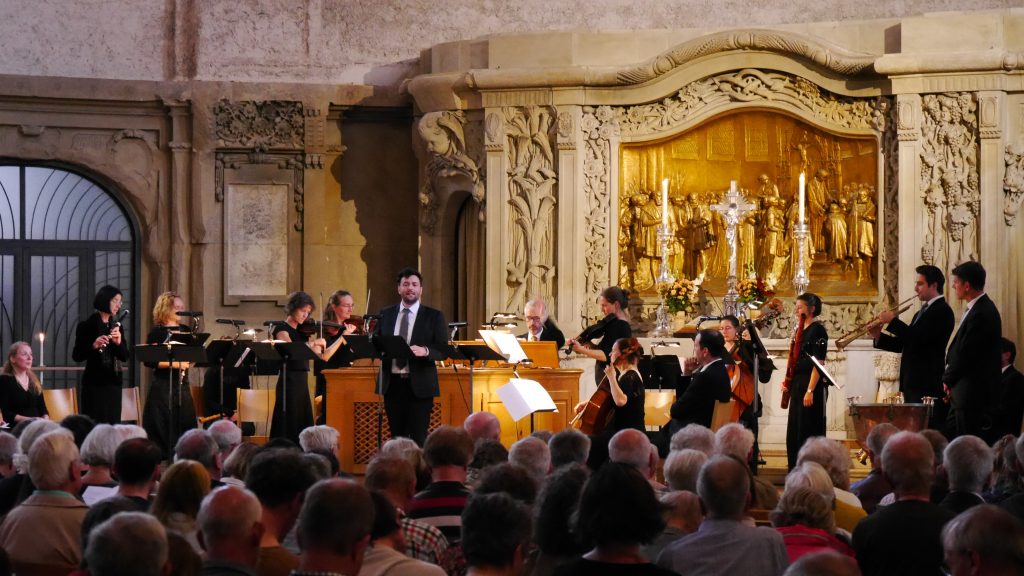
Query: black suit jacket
{"type": "Point", "coordinates": [901, 539]}
{"type": "Point", "coordinates": [550, 333]}
{"type": "Point", "coordinates": [429, 330]}
{"type": "Point", "coordinates": [974, 359]}
{"type": "Point", "coordinates": [696, 403]}
{"type": "Point", "coordinates": [1008, 404]}
{"type": "Point", "coordinates": [923, 345]}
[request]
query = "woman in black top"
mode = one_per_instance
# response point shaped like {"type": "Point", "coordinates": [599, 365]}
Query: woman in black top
{"type": "Point", "coordinates": [614, 302]}
{"type": "Point", "coordinates": [626, 385]}
{"type": "Point", "coordinates": [294, 394]}
{"type": "Point", "coordinates": [169, 410]}
{"type": "Point", "coordinates": [807, 407]}
{"type": "Point", "coordinates": [101, 346]}
{"type": "Point", "coordinates": [339, 310]}
{"type": "Point", "coordinates": [21, 394]}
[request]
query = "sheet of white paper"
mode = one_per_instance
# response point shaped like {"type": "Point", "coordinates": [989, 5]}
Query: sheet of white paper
{"type": "Point", "coordinates": [523, 397]}
{"type": "Point", "coordinates": [94, 494]}
{"type": "Point", "coordinates": [504, 343]}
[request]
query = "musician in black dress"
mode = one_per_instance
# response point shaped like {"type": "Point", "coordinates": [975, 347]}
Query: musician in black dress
{"type": "Point", "coordinates": [100, 343]}
{"type": "Point", "coordinates": [339, 311]}
{"type": "Point", "coordinates": [627, 396]}
{"type": "Point", "coordinates": [169, 410]}
{"type": "Point", "coordinates": [807, 407]}
{"type": "Point", "coordinates": [21, 393]}
{"type": "Point", "coordinates": [614, 302]}
{"type": "Point", "coordinates": [299, 414]}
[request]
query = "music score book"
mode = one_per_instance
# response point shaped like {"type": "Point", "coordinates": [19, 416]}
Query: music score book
{"type": "Point", "coordinates": [523, 397]}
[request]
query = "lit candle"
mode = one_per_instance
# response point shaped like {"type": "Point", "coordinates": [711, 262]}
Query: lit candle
{"type": "Point", "coordinates": [42, 355]}
{"type": "Point", "coordinates": [664, 203]}
{"type": "Point", "coordinates": [801, 198]}
{"type": "Point", "coordinates": [732, 187]}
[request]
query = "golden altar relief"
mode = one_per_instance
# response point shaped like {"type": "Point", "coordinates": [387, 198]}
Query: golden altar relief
{"type": "Point", "coordinates": [765, 152]}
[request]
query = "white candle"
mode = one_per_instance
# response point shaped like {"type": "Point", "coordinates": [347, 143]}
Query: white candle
{"type": "Point", "coordinates": [732, 187]}
{"type": "Point", "coordinates": [664, 203]}
{"type": "Point", "coordinates": [801, 198]}
{"type": "Point", "coordinates": [42, 356]}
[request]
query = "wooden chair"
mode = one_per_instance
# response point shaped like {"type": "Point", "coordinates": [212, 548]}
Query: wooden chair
{"type": "Point", "coordinates": [657, 407]}
{"type": "Point", "coordinates": [60, 403]}
{"type": "Point", "coordinates": [256, 406]}
{"type": "Point", "coordinates": [131, 408]}
{"type": "Point", "coordinates": [722, 414]}
{"type": "Point", "coordinates": [762, 517]}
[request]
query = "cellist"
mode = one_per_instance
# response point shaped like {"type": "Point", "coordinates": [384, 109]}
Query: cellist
{"type": "Point", "coordinates": [741, 371]}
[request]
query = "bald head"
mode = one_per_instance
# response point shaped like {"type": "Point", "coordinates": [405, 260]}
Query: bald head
{"type": "Point", "coordinates": [483, 426]}
{"type": "Point", "coordinates": [229, 525]}
{"type": "Point", "coordinates": [631, 447]}
{"type": "Point", "coordinates": [827, 563]}
{"type": "Point", "coordinates": [908, 463]}
{"type": "Point", "coordinates": [724, 487]}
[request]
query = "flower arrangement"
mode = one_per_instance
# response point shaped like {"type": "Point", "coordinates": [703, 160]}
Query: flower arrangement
{"type": "Point", "coordinates": [680, 296]}
{"type": "Point", "coordinates": [753, 289]}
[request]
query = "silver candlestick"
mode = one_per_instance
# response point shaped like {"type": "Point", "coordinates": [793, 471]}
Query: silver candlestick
{"type": "Point", "coordinates": [800, 277]}
{"type": "Point", "coordinates": [665, 278]}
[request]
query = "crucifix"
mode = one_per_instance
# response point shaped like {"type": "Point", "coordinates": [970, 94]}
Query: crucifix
{"type": "Point", "coordinates": [732, 208]}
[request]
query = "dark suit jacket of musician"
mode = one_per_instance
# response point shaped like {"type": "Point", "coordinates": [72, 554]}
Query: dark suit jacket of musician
{"type": "Point", "coordinates": [699, 392]}
{"type": "Point", "coordinates": [550, 333]}
{"type": "Point", "coordinates": [429, 330]}
{"type": "Point", "coordinates": [974, 358]}
{"type": "Point", "coordinates": [1008, 404]}
{"type": "Point", "coordinates": [923, 345]}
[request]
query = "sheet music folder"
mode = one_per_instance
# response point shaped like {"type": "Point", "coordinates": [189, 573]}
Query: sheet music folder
{"type": "Point", "coordinates": [523, 397]}
{"type": "Point", "coordinates": [829, 380]}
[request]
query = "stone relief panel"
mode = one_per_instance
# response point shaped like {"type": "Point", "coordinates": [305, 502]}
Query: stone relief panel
{"type": "Point", "coordinates": [949, 178]}
{"type": "Point", "coordinates": [599, 127]}
{"type": "Point", "coordinates": [260, 125]}
{"type": "Point", "coordinates": [1013, 184]}
{"type": "Point", "coordinates": [292, 163]}
{"type": "Point", "coordinates": [532, 197]}
{"type": "Point", "coordinates": [449, 163]}
{"type": "Point", "coordinates": [886, 124]}
{"type": "Point", "coordinates": [256, 241]}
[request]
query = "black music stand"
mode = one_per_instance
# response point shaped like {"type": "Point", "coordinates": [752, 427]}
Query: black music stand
{"type": "Point", "coordinates": [757, 346]}
{"type": "Point", "coordinates": [473, 353]}
{"type": "Point", "coordinates": [171, 354]}
{"type": "Point", "coordinates": [221, 352]}
{"type": "Point", "coordinates": [361, 347]}
{"type": "Point", "coordinates": [289, 351]}
{"type": "Point", "coordinates": [387, 347]}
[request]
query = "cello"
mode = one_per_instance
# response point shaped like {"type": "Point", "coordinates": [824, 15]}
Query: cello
{"type": "Point", "coordinates": [594, 417]}
{"type": "Point", "coordinates": [741, 371]}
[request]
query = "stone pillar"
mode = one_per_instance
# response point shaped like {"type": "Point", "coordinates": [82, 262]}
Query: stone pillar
{"type": "Point", "coordinates": [993, 246]}
{"type": "Point", "coordinates": [572, 234]}
{"type": "Point", "coordinates": [184, 210]}
{"type": "Point", "coordinates": [497, 225]}
{"type": "Point", "coordinates": [908, 132]}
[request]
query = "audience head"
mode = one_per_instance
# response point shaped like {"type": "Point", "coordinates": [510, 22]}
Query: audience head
{"type": "Point", "coordinates": [319, 438]}
{"type": "Point", "coordinates": [806, 507]}
{"type": "Point", "coordinates": [724, 487]}
{"type": "Point", "coordinates": [632, 447]}
{"type": "Point", "coordinates": [390, 475]}
{"type": "Point", "coordinates": [324, 540]}
{"type": "Point", "coordinates": [407, 450]}
{"type": "Point", "coordinates": [488, 453]}
{"type": "Point", "coordinates": [876, 440]}
{"type": "Point", "coordinates": [682, 468]}
{"type": "Point", "coordinates": [226, 434]}
{"type": "Point", "coordinates": [811, 475]}
{"type": "Point", "coordinates": [199, 445]}
{"type": "Point", "coordinates": [323, 464]}
{"type": "Point", "coordinates": [32, 431]}
{"type": "Point", "coordinates": [542, 435]}
{"type": "Point", "coordinates": [483, 426]}
{"type": "Point", "coordinates": [448, 446]}
{"type": "Point", "coordinates": [618, 507]}
{"type": "Point", "coordinates": [968, 464]}
{"type": "Point", "coordinates": [128, 544]}
{"type": "Point", "coordinates": [237, 464]}
{"type": "Point", "coordinates": [533, 455]}
{"type": "Point", "coordinates": [495, 532]}
{"type": "Point", "coordinates": [825, 563]}
{"type": "Point", "coordinates": [1009, 351]}
{"type": "Point", "coordinates": [695, 437]}
{"type": "Point", "coordinates": [100, 446]}
{"type": "Point", "coordinates": [228, 526]}
{"type": "Point", "coordinates": [137, 462]}
{"type": "Point", "coordinates": [1018, 450]}
{"type": "Point", "coordinates": [279, 479]}
{"type": "Point", "coordinates": [734, 440]}
{"type": "Point", "coordinates": [908, 463]}
{"type": "Point", "coordinates": [129, 431]}
{"type": "Point", "coordinates": [569, 446]}
{"type": "Point", "coordinates": [558, 501]}
{"type": "Point", "coordinates": [53, 462]}
{"type": "Point", "coordinates": [80, 425]}
{"type": "Point", "coordinates": [968, 280]}
{"type": "Point", "coordinates": [833, 457]}
{"type": "Point", "coordinates": [512, 479]}
{"type": "Point", "coordinates": [8, 448]}
{"type": "Point", "coordinates": [682, 511]}
{"type": "Point", "coordinates": [182, 489]}
{"type": "Point", "coordinates": [385, 517]}
{"type": "Point", "coordinates": [182, 555]}
{"type": "Point", "coordinates": [102, 511]}
{"type": "Point", "coordinates": [984, 540]}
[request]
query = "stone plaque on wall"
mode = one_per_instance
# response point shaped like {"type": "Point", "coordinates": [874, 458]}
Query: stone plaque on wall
{"type": "Point", "coordinates": [256, 241]}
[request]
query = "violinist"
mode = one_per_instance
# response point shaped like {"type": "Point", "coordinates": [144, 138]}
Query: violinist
{"type": "Point", "coordinates": [337, 311]}
{"type": "Point", "coordinates": [169, 410]}
{"type": "Point", "coordinates": [615, 325]}
{"type": "Point", "coordinates": [99, 342]}
{"type": "Point", "coordinates": [807, 409]}
{"type": "Point", "coordinates": [300, 410]}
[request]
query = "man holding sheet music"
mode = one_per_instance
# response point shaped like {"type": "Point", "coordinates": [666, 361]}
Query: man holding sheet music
{"type": "Point", "coordinates": [409, 386]}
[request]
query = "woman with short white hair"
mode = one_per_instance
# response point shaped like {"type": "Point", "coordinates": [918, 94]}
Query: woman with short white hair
{"type": "Point", "coordinates": [98, 451]}
{"type": "Point", "coordinates": [319, 437]}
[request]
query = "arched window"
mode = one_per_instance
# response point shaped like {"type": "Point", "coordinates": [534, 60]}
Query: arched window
{"type": "Point", "coordinates": [62, 237]}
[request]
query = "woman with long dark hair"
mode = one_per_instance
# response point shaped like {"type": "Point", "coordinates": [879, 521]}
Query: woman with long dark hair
{"type": "Point", "coordinates": [614, 303]}
{"type": "Point", "coordinates": [100, 343]}
{"type": "Point", "coordinates": [807, 408]}
{"type": "Point", "coordinates": [21, 394]}
{"type": "Point", "coordinates": [294, 392]}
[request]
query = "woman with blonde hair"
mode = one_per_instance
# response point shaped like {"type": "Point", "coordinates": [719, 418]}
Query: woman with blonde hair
{"type": "Point", "coordinates": [21, 393]}
{"type": "Point", "coordinates": [182, 489]}
{"type": "Point", "coordinates": [169, 410]}
{"type": "Point", "coordinates": [805, 519]}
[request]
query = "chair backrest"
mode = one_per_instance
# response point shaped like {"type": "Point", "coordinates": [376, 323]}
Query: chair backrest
{"type": "Point", "coordinates": [722, 415]}
{"type": "Point", "coordinates": [60, 403]}
{"type": "Point", "coordinates": [256, 406]}
{"type": "Point", "coordinates": [657, 407]}
{"type": "Point", "coordinates": [761, 516]}
{"type": "Point", "coordinates": [131, 409]}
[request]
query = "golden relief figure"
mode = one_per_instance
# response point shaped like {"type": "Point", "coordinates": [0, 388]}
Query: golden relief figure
{"type": "Point", "coordinates": [766, 156]}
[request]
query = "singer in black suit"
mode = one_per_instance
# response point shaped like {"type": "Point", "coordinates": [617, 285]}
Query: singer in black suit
{"type": "Point", "coordinates": [973, 360]}
{"type": "Point", "coordinates": [409, 387]}
{"type": "Point", "coordinates": [922, 342]}
{"type": "Point", "coordinates": [101, 346]}
{"type": "Point", "coordinates": [706, 381]}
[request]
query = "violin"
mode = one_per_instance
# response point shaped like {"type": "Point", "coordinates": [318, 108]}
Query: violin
{"type": "Point", "coordinates": [312, 327]}
{"type": "Point", "coordinates": [590, 332]}
{"type": "Point", "coordinates": [363, 325]}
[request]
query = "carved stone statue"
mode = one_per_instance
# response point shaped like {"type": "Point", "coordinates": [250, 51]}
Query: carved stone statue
{"type": "Point", "coordinates": [679, 218]}
{"type": "Point", "coordinates": [774, 234]}
{"type": "Point", "coordinates": [747, 244]}
{"type": "Point", "coordinates": [700, 239]}
{"type": "Point", "coordinates": [836, 235]}
{"type": "Point", "coordinates": [817, 204]}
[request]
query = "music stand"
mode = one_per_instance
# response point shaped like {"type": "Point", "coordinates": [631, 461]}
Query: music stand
{"type": "Point", "coordinates": [472, 352]}
{"type": "Point", "coordinates": [757, 345]}
{"type": "Point", "coordinates": [827, 379]}
{"type": "Point", "coordinates": [523, 397]}
{"type": "Point", "coordinates": [387, 347]}
{"type": "Point", "coordinates": [289, 351]}
{"type": "Point", "coordinates": [171, 353]}
{"type": "Point", "coordinates": [361, 347]}
{"type": "Point", "coordinates": [221, 352]}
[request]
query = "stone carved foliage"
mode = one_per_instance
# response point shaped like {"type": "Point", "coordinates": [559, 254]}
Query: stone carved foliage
{"type": "Point", "coordinates": [532, 192]}
{"type": "Point", "coordinates": [704, 96]}
{"type": "Point", "coordinates": [445, 138]}
{"type": "Point", "coordinates": [949, 178]}
{"type": "Point", "coordinates": [1013, 184]}
{"type": "Point", "coordinates": [887, 124]}
{"type": "Point", "coordinates": [260, 125]}
{"type": "Point", "coordinates": [599, 126]}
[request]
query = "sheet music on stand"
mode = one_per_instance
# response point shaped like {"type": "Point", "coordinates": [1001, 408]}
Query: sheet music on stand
{"type": "Point", "coordinates": [523, 397]}
{"type": "Point", "coordinates": [506, 344]}
{"type": "Point", "coordinates": [825, 375]}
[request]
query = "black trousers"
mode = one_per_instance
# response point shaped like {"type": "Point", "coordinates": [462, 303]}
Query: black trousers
{"type": "Point", "coordinates": [408, 415]}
